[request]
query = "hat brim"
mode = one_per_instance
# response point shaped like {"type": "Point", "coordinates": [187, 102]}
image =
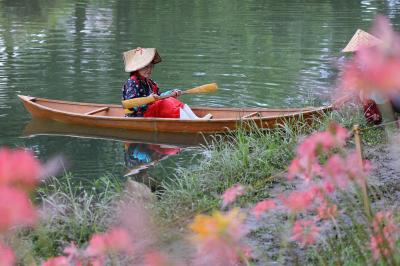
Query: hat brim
{"type": "Point", "coordinates": [139, 58]}
{"type": "Point", "coordinates": [361, 39]}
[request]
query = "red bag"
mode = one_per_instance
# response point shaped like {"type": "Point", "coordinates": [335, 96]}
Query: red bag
{"type": "Point", "coordinates": [371, 112]}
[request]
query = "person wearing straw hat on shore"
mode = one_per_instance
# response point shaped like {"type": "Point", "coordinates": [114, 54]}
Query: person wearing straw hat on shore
{"type": "Point", "coordinates": [376, 106]}
{"type": "Point", "coordinates": [139, 63]}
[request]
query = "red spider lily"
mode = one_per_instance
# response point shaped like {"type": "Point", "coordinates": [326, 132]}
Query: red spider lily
{"type": "Point", "coordinates": [357, 171]}
{"type": "Point", "coordinates": [20, 212]}
{"type": "Point", "coordinates": [327, 211]}
{"type": "Point", "coordinates": [57, 261]}
{"type": "Point", "coordinates": [298, 201]}
{"type": "Point", "coordinates": [157, 258]}
{"type": "Point", "coordinates": [218, 252]}
{"type": "Point", "coordinates": [385, 234]}
{"type": "Point", "coordinates": [116, 240]}
{"type": "Point", "coordinates": [218, 238]}
{"type": "Point", "coordinates": [262, 207]}
{"type": "Point", "coordinates": [335, 171]}
{"type": "Point", "coordinates": [306, 164]}
{"type": "Point", "coordinates": [19, 168]}
{"type": "Point", "coordinates": [305, 232]}
{"type": "Point", "coordinates": [375, 68]}
{"type": "Point", "coordinates": [231, 194]}
{"type": "Point", "coordinates": [7, 257]}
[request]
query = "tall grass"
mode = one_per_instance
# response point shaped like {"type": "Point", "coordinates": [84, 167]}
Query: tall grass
{"type": "Point", "coordinates": [69, 212]}
{"type": "Point", "coordinates": [255, 158]}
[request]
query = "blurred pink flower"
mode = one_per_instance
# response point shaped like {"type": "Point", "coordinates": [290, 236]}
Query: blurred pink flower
{"type": "Point", "coordinates": [7, 257]}
{"type": "Point", "coordinates": [305, 232]}
{"type": "Point", "coordinates": [218, 252]}
{"type": "Point", "coordinates": [375, 68]}
{"type": "Point", "coordinates": [298, 201]}
{"type": "Point", "coordinates": [262, 207]}
{"type": "Point", "coordinates": [306, 164]}
{"type": "Point", "coordinates": [15, 209]}
{"type": "Point", "coordinates": [335, 171]}
{"type": "Point", "coordinates": [357, 171]}
{"type": "Point", "coordinates": [19, 168]}
{"type": "Point", "coordinates": [327, 211]}
{"type": "Point", "coordinates": [57, 261]}
{"type": "Point", "coordinates": [231, 193]}
{"type": "Point", "coordinates": [115, 240]}
{"type": "Point", "coordinates": [381, 247]}
{"type": "Point", "coordinates": [384, 236]}
{"type": "Point", "coordinates": [218, 238]}
{"type": "Point", "coordinates": [156, 258]}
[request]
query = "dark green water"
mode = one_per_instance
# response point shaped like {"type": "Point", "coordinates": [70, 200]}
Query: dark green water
{"type": "Point", "coordinates": [264, 53]}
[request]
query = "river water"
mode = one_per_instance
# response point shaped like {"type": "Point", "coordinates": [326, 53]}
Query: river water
{"type": "Point", "coordinates": [262, 53]}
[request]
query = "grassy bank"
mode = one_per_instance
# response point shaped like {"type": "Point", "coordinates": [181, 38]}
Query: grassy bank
{"type": "Point", "coordinates": [256, 159]}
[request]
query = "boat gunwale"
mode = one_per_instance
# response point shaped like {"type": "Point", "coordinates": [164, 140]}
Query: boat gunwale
{"type": "Point", "coordinates": [290, 112]}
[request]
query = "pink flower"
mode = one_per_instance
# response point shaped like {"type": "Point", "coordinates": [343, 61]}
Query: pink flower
{"type": "Point", "coordinates": [384, 235]}
{"type": "Point", "coordinates": [327, 211]}
{"type": "Point", "coordinates": [377, 67]}
{"type": "Point", "coordinates": [299, 201]}
{"type": "Point", "coordinates": [15, 209]}
{"type": "Point", "coordinates": [262, 207]}
{"type": "Point", "coordinates": [218, 238]}
{"type": "Point", "coordinates": [116, 240]}
{"type": "Point", "coordinates": [335, 170]}
{"type": "Point", "coordinates": [19, 168]}
{"type": "Point", "coordinates": [57, 261]}
{"type": "Point", "coordinates": [305, 232]}
{"type": "Point", "coordinates": [381, 247]}
{"type": "Point", "coordinates": [7, 257]}
{"type": "Point", "coordinates": [156, 258]}
{"type": "Point", "coordinates": [357, 171]}
{"type": "Point", "coordinates": [230, 194]}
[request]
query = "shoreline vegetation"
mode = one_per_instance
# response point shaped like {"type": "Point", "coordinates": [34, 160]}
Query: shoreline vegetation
{"type": "Point", "coordinates": [257, 159]}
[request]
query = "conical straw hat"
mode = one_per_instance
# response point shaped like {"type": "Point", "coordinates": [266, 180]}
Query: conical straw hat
{"type": "Point", "coordinates": [139, 58]}
{"type": "Point", "coordinates": [361, 39]}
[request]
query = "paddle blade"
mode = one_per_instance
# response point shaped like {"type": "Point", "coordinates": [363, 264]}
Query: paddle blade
{"type": "Point", "coordinates": [127, 104]}
{"type": "Point", "coordinates": [207, 88]}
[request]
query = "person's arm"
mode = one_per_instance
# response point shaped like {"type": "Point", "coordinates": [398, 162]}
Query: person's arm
{"type": "Point", "coordinates": [174, 93]}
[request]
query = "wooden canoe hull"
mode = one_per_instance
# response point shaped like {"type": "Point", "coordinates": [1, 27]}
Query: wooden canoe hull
{"type": "Point", "coordinates": [112, 116]}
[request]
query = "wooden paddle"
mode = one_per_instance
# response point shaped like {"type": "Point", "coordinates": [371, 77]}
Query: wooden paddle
{"type": "Point", "coordinates": [207, 88]}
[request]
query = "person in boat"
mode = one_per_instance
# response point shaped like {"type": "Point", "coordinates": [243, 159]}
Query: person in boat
{"type": "Point", "coordinates": [377, 107]}
{"type": "Point", "coordinates": [139, 63]}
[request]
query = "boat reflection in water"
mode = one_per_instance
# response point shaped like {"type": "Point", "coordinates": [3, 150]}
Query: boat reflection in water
{"type": "Point", "coordinates": [140, 156]}
{"type": "Point", "coordinates": [141, 150]}
{"type": "Point", "coordinates": [37, 127]}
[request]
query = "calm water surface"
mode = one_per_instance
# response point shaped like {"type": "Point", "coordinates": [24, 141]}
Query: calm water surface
{"type": "Point", "coordinates": [262, 53]}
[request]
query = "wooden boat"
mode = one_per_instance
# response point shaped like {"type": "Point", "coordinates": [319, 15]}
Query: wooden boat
{"type": "Point", "coordinates": [112, 116]}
